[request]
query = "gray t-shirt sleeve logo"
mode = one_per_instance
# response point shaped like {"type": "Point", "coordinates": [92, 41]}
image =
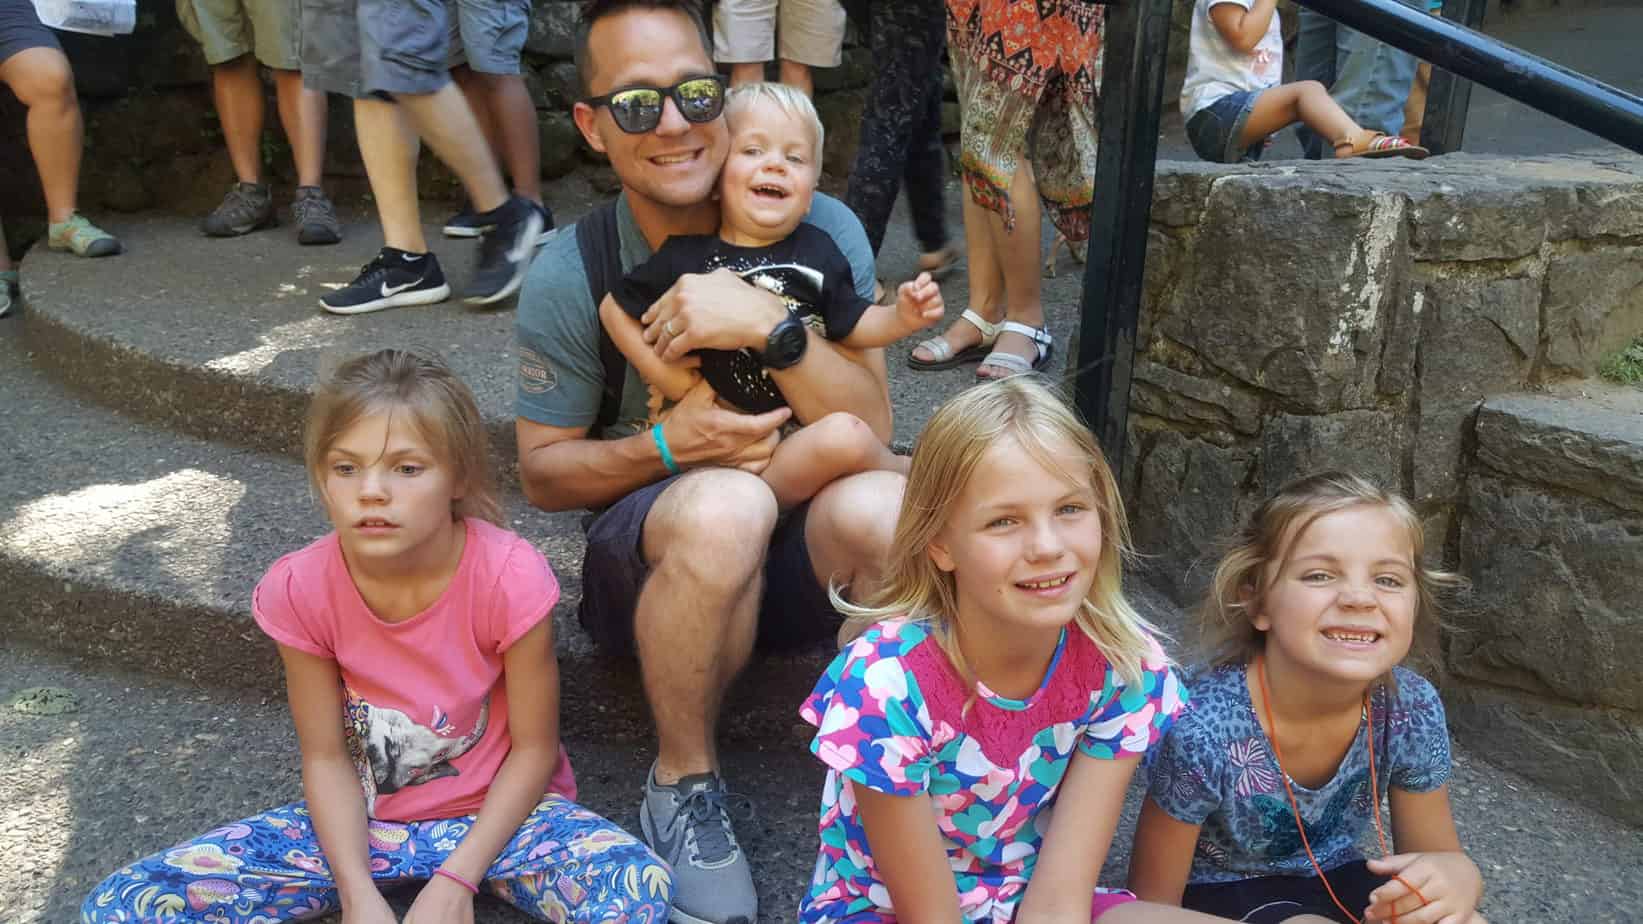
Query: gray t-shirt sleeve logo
{"type": "Point", "coordinates": [535, 375]}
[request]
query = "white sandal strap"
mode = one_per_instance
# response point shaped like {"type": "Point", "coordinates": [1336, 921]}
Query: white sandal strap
{"type": "Point", "coordinates": [1004, 360]}
{"type": "Point", "coordinates": [940, 350]}
{"type": "Point", "coordinates": [1038, 335]}
{"type": "Point", "coordinates": [989, 330]}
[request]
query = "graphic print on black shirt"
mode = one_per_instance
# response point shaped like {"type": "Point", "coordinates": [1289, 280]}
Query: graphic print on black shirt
{"type": "Point", "coordinates": [806, 269]}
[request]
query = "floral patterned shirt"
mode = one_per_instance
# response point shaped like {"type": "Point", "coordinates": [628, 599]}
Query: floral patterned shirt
{"type": "Point", "coordinates": [890, 716]}
{"type": "Point", "coordinates": [1215, 769]}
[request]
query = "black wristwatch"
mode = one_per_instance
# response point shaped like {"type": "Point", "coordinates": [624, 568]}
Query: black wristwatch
{"type": "Point", "coordinates": [785, 345]}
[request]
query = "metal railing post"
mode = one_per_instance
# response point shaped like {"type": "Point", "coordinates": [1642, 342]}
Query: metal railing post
{"type": "Point", "coordinates": [1132, 89]}
{"type": "Point", "coordinates": [1448, 98]}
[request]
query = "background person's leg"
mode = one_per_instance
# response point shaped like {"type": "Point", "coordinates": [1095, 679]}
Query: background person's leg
{"type": "Point", "coordinates": [44, 83]}
{"type": "Point", "coordinates": [1315, 56]}
{"type": "Point", "coordinates": [1372, 79]}
{"type": "Point", "coordinates": [1018, 252]}
{"type": "Point", "coordinates": [236, 88]}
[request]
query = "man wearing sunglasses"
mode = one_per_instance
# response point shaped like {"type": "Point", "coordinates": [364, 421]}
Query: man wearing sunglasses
{"type": "Point", "coordinates": [687, 562]}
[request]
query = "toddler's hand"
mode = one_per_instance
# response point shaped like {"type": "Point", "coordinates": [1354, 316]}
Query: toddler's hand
{"type": "Point", "coordinates": [918, 302]}
{"type": "Point", "coordinates": [1448, 880]}
{"type": "Point", "coordinates": [441, 901]}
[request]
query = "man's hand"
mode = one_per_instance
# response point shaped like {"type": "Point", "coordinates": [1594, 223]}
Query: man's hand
{"type": "Point", "coordinates": [700, 432]}
{"type": "Point", "coordinates": [441, 901]}
{"type": "Point", "coordinates": [716, 311]}
{"type": "Point", "coordinates": [918, 303]}
{"type": "Point", "coordinates": [1448, 880]}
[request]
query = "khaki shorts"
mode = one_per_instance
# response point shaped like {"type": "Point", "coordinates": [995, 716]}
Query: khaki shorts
{"type": "Point", "coordinates": [811, 31]}
{"type": "Point", "coordinates": [228, 29]}
{"type": "Point", "coordinates": [487, 35]}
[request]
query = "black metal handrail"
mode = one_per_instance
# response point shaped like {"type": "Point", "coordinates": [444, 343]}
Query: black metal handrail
{"type": "Point", "coordinates": [1137, 34]}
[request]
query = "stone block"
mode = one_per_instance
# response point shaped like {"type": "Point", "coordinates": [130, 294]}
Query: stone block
{"type": "Point", "coordinates": [841, 118]}
{"type": "Point", "coordinates": [1188, 497]}
{"type": "Point", "coordinates": [1479, 337]}
{"type": "Point", "coordinates": [1163, 392]}
{"type": "Point", "coordinates": [1480, 215]}
{"type": "Point", "coordinates": [559, 84]}
{"type": "Point", "coordinates": [1368, 443]}
{"type": "Point", "coordinates": [560, 141]}
{"type": "Point", "coordinates": [1557, 606]}
{"type": "Point", "coordinates": [1291, 283]}
{"type": "Point", "coordinates": [1594, 756]}
{"type": "Point", "coordinates": [1593, 306]}
{"type": "Point", "coordinates": [854, 72]}
{"type": "Point", "coordinates": [553, 29]}
{"type": "Point", "coordinates": [1592, 445]}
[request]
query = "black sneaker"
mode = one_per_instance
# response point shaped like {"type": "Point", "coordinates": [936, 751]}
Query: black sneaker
{"type": "Point", "coordinates": [464, 223]}
{"type": "Point", "coordinates": [315, 216]}
{"type": "Point", "coordinates": [547, 224]}
{"type": "Point", "coordinates": [505, 250]}
{"type": "Point", "coordinates": [247, 207]}
{"type": "Point", "coordinates": [395, 278]}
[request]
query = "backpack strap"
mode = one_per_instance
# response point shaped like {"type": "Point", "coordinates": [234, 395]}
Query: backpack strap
{"type": "Point", "coordinates": [601, 247]}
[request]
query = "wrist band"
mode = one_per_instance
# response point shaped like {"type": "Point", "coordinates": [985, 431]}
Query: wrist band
{"type": "Point", "coordinates": [442, 871]}
{"type": "Point", "coordinates": [661, 446]}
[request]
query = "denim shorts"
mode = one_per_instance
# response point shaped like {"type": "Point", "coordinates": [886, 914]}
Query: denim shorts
{"type": "Point", "coordinates": [1214, 129]}
{"type": "Point", "coordinates": [487, 35]}
{"type": "Point", "coordinates": [794, 613]}
{"type": "Point", "coordinates": [20, 29]}
{"type": "Point", "coordinates": [376, 48]}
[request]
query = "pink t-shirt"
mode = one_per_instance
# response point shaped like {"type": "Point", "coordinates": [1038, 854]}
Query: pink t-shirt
{"type": "Point", "coordinates": [426, 708]}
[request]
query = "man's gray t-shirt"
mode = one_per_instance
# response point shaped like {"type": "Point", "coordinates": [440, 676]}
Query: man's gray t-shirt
{"type": "Point", "coordinates": [560, 375]}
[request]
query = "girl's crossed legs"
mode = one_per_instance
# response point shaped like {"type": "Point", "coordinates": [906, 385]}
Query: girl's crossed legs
{"type": "Point", "coordinates": [564, 863]}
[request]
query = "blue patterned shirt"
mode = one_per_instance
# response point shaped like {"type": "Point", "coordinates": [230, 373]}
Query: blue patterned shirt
{"type": "Point", "coordinates": [1215, 769]}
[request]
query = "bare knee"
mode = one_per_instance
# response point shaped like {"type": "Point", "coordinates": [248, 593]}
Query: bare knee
{"type": "Point", "coordinates": [711, 527]}
{"type": "Point", "coordinates": [844, 442]}
{"type": "Point", "coordinates": [46, 80]}
{"type": "Point", "coordinates": [1310, 90]}
{"type": "Point", "coordinates": [852, 524]}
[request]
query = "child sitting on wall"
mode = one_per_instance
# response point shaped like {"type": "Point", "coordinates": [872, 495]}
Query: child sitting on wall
{"type": "Point", "coordinates": [1233, 99]}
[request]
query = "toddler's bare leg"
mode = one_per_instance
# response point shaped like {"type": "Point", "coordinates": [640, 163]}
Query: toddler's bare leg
{"type": "Point", "coordinates": [831, 448]}
{"type": "Point", "coordinates": [1306, 101]}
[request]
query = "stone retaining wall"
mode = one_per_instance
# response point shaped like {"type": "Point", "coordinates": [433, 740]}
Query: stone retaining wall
{"type": "Point", "coordinates": [1298, 317]}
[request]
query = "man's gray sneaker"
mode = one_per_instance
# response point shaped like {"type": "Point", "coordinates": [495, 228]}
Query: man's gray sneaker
{"type": "Point", "coordinates": [688, 825]}
{"type": "Point", "coordinates": [315, 216]}
{"type": "Point", "coordinates": [247, 207]}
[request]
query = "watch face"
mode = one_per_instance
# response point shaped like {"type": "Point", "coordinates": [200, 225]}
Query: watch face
{"type": "Point", "coordinates": [786, 344]}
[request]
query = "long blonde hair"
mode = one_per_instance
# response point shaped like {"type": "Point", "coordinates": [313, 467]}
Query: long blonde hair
{"type": "Point", "coordinates": [1024, 410]}
{"type": "Point", "coordinates": [439, 406]}
{"type": "Point", "coordinates": [1247, 569]}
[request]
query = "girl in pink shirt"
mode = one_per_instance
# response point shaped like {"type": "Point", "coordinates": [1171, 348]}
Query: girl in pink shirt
{"type": "Point", "coordinates": [419, 662]}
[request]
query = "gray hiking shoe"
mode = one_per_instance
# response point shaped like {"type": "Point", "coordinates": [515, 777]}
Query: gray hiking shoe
{"type": "Point", "coordinates": [315, 216]}
{"type": "Point", "coordinates": [688, 825]}
{"type": "Point", "coordinates": [247, 207]}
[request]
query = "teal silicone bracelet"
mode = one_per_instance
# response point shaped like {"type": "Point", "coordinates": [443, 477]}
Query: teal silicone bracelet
{"type": "Point", "coordinates": [661, 446]}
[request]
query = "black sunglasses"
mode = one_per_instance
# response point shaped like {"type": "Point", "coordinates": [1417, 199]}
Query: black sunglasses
{"type": "Point", "coordinates": [638, 109]}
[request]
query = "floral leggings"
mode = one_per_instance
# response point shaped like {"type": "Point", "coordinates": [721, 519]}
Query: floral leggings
{"type": "Point", "coordinates": [565, 863]}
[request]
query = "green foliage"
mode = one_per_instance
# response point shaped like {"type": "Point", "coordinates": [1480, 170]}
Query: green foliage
{"type": "Point", "coordinates": [1625, 366]}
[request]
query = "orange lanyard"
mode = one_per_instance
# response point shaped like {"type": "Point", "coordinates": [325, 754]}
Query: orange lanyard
{"type": "Point", "coordinates": [1374, 792]}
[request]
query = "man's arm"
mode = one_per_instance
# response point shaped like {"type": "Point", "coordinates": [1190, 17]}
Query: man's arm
{"type": "Point", "coordinates": [560, 468]}
{"type": "Point", "coordinates": [721, 311]}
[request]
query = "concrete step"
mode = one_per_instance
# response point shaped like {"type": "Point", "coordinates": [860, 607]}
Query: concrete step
{"type": "Point", "coordinates": [126, 543]}
{"type": "Point", "coordinates": [223, 339]}
{"type": "Point", "coordinates": [147, 762]}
